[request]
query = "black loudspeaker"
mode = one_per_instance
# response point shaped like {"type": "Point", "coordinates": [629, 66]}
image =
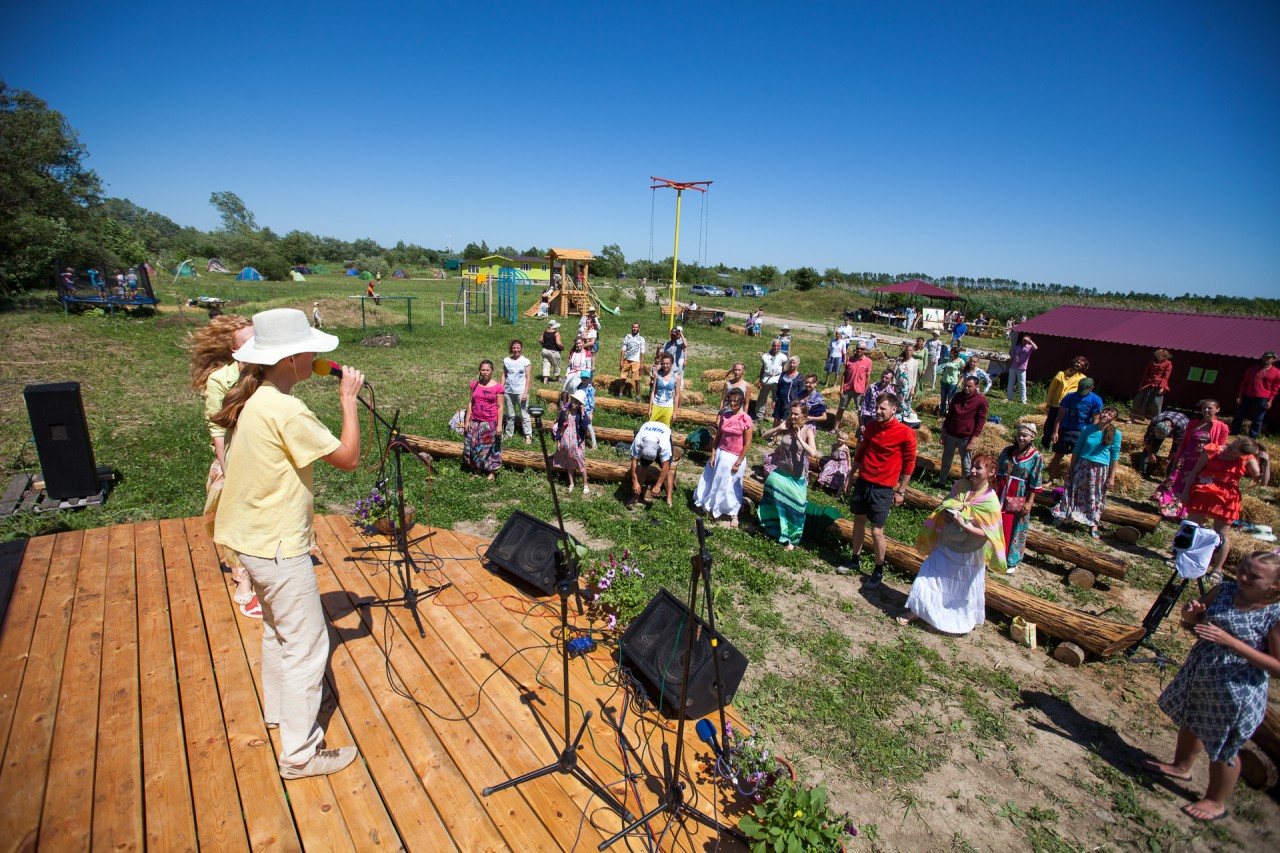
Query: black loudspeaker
{"type": "Point", "coordinates": [653, 648]}
{"type": "Point", "coordinates": [526, 547]}
{"type": "Point", "coordinates": [62, 440]}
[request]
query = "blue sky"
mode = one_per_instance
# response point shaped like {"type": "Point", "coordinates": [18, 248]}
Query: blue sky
{"type": "Point", "coordinates": [1118, 145]}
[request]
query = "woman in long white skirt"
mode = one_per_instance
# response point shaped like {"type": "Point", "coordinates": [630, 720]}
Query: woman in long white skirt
{"type": "Point", "coordinates": [962, 538]}
{"type": "Point", "coordinates": [719, 491]}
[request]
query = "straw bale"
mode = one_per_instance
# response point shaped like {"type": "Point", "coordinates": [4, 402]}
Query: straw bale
{"type": "Point", "coordinates": [714, 375]}
{"type": "Point", "coordinates": [929, 405]}
{"type": "Point", "coordinates": [924, 435]}
{"type": "Point", "coordinates": [603, 380]}
{"type": "Point", "coordinates": [1257, 511]}
{"type": "Point", "coordinates": [999, 430]}
{"type": "Point", "coordinates": [990, 442]}
{"type": "Point", "coordinates": [693, 398]}
{"type": "Point", "coordinates": [849, 420]}
{"type": "Point", "coordinates": [737, 330]}
{"type": "Point", "coordinates": [1130, 482]}
{"type": "Point", "coordinates": [716, 387]}
{"type": "Point", "coordinates": [877, 355]}
{"type": "Point", "coordinates": [1043, 408]}
{"type": "Point", "coordinates": [1242, 545]}
{"type": "Point", "coordinates": [831, 393]}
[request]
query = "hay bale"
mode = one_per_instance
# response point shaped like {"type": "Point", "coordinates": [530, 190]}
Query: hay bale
{"type": "Point", "coordinates": [924, 435]}
{"type": "Point", "coordinates": [1257, 511]}
{"type": "Point", "coordinates": [1130, 482]}
{"type": "Point", "coordinates": [929, 405]}
{"type": "Point", "coordinates": [737, 330]}
{"type": "Point", "coordinates": [831, 393]}
{"type": "Point", "coordinates": [604, 380]}
{"type": "Point", "coordinates": [1242, 545]}
{"type": "Point", "coordinates": [1000, 431]}
{"type": "Point", "coordinates": [1043, 408]}
{"type": "Point", "coordinates": [716, 387]}
{"type": "Point", "coordinates": [877, 355]}
{"type": "Point", "coordinates": [714, 375]}
{"type": "Point", "coordinates": [693, 398]}
{"type": "Point", "coordinates": [849, 420]}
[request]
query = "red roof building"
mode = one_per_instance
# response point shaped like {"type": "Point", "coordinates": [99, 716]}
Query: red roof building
{"type": "Point", "coordinates": [1210, 352]}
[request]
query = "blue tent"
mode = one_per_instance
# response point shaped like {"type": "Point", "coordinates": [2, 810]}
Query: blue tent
{"type": "Point", "coordinates": [353, 271]}
{"type": "Point", "coordinates": [249, 274]}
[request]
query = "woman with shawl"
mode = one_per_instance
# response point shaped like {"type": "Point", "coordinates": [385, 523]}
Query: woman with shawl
{"type": "Point", "coordinates": [963, 538]}
{"type": "Point", "coordinates": [1019, 470]}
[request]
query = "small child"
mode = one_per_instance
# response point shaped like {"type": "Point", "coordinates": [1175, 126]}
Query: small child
{"type": "Point", "coordinates": [69, 281]}
{"type": "Point", "coordinates": [131, 282]}
{"type": "Point", "coordinates": [316, 321]}
{"type": "Point", "coordinates": [835, 474]}
{"type": "Point", "coordinates": [569, 429]}
{"type": "Point", "coordinates": [120, 282]}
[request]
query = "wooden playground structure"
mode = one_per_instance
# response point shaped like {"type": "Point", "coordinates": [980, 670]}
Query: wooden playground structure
{"type": "Point", "coordinates": [572, 292]}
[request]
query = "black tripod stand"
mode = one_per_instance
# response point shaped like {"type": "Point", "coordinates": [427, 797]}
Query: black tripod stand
{"type": "Point", "coordinates": [1164, 602]}
{"type": "Point", "coordinates": [673, 799]}
{"type": "Point", "coordinates": [566, 584]}
{"type": "Point", "coordinates": [400, 541]}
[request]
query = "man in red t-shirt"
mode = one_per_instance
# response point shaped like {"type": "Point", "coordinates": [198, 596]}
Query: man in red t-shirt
{"type": "Point", "coordinates": [857, 371]}
{"type": "Point", "coordinates": [1257, 392]}
{"type": "Point", "coordinates": [882, 466]}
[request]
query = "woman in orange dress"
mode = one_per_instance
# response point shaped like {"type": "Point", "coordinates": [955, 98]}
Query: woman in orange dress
{"type": "Point", "coordinates": [1213, 487]}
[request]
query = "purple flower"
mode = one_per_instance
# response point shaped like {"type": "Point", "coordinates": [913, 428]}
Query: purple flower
{"type": "Point", "coordinates": [611, 622]}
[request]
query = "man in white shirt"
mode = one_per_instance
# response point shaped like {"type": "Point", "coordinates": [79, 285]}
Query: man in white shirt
{"type": "Point", "coordinates": [772, 363]}
{"type": "Point", "coordinates": [846, 330]}
{"type": "Point", "coordinates": [631, 362]}
{"type": "Point", "coordinates": [515, 390]}
{"type": "Point", "coordinates": [678, 346]}
{"type": "Point", "coordinates": [652, 444]}
{"type": "Point", "coordinates": [932, 356]}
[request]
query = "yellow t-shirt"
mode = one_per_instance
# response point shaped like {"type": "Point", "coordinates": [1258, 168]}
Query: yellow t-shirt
{"type": "Point", "coordinates": [267, 500]}
{"type": "Point", "coordinates": [1061, 386]}
{"type": "Point", "coordinates": [215, 389]}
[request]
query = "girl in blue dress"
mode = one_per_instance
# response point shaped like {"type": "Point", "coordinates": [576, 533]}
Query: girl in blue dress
{"type": "Point", "coordinates": [1219, 696]}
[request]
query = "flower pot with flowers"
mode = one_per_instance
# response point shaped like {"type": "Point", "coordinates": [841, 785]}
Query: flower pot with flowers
{"type": "Point", "coordinates": [378, 511]}
{"type": "Point", "coordinates": [749, 764]}
{"type": "Point", "coordinates": [615, 588]}
{"type": "Point", "coordinates": [796, 819]}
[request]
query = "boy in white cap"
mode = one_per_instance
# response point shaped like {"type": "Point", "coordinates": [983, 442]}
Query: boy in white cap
{"type": "Point", "coordinates": [265, 516]}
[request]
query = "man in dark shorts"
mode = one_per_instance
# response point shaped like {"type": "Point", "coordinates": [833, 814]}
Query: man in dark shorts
{"type": "Point", "coordinates": [882, 467]}
{"type": "Point", "coordinates": [1076, 411]}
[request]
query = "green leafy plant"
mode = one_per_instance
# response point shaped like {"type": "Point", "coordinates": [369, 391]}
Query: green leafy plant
{"type": "Point", "coordinates": [794, 819]}
{"type": "Point", "coordinates": [374, 507]}
{"type": "Point", "coordinates": [616, 588]}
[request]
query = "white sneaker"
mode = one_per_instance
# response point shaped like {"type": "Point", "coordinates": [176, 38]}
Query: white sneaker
{"type": "Point", "coordinates": [324, 762]}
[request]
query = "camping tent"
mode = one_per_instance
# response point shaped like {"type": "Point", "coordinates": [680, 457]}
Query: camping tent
{"type": "Point", "coordinates": [186, 269]}
{"type": "Point", "coordinates": [249, 274]}
{"type": "Point", "coordinates": [215, 265]}
{"type": "Point", "coordinates": [366, 276]}
{"type": "Point", "coordinates": [353, 271]}
{"type": "Point", "coordinates": [297, 276]}
{"type": "Point", "coordinates": [303, 268]}
{"type": "Point", "coordinates": [398, 274]}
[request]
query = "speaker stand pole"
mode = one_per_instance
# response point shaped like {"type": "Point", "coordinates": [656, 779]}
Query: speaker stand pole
{"type": "Point", "coordinates": [1164, 603]}
{"type": "Point", "coordinates": [401, 543]}
{"type": "Point", "coordinates": [673, 799]}
{"type": "Point", "coordinates": [566, 582]}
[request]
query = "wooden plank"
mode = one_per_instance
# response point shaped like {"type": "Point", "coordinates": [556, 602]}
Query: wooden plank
{"type": "Point", "coordinates": [267, 818]}
{"type": "Point", "coordinates": [26, 758]}
{"type": "Point", "coordinates": [18, 627]}
{"type": "Point", "coordinates": [503, 725]}
{"type": "Point", "coordinates": [312, 800]}
{"type": "Point", "coordinates": [68, 800]}
{"type": "Point", "coordinates": [117, 787]}
{"type": "Point", "coordinates": [219, 822]}
{"type": "Point", "coordinates": [475, 823]}
{"type": "Point", "coordinates": [10, 561]}
{"type": "Point", "coordinates": [503, 624]}
{"type": "Point", "coordinates": [170, 819]}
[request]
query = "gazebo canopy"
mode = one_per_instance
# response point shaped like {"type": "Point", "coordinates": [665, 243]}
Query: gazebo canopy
{"type": "Point", "coordinates": [916, 287]}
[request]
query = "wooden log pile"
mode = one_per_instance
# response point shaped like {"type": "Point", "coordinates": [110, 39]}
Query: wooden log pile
{"type": "Point", "coordinates": [1099, 636]}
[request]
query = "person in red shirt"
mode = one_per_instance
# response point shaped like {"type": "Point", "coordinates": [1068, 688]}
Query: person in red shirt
{"type": "Point", "coordinates": [1149, 400]}
{"type": "Point", "coordinates": [1257, 392]}
{"type": "Point", "coordinates": [857, 372]}
{"type": "Point", "coordinates": [882, 467]}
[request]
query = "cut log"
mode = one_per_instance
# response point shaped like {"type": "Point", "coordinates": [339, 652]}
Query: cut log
{"type": "Point", "coordinates": [1069, 653]}
{"type": "Point", "coordinates": [629, 435]}
{"type": "Point", "coordinates": [1043, 543]}
{"type": "Point", "coordinates": [612, 472]}
{"type": "Point", "coordinates": [1113, 513]}
{"type": "Point", "coordinates": [1257, 769]}
{"type": "Point", "coordinates": [641, 410]}
{"type": "Point", "coordinates": [1082, 578]}
{"type": "Point", "coordinates": [1268, 734]}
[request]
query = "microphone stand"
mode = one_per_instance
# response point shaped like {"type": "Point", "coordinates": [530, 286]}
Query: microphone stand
{"type": "Point", "coordinates": [673, 798]}
{"type": "Point", "coordinates": [566, 582]}
{"type": "Point", "coordinates": [400, 543]}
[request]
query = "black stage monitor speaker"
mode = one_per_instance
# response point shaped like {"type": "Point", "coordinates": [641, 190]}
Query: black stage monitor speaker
{"type": "Point", "coordinates": [62, 440]}
{"type": "Point", "coordinates": [526, 547]}
{"type": "Point", "coordinates": [653, 648]}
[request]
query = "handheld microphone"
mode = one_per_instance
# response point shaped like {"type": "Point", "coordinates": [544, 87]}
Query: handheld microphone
{"type": "Point", "coordinates": [325, 367]}
{"type": "Point", "coordinates": [707, 733]}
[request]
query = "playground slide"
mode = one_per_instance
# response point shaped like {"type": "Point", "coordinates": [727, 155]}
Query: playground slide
{"type": "Point", "coordinates": [603, 307]}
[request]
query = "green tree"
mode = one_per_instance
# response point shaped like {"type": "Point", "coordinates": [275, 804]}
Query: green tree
{"type": "Point", "coordinates": [474, 253]}
{"type": "Point", "coordinates": [506, 251]}
{"type": "Point", "coordinates": [366, 246]}
{"type": "Point", "coordinates": [610, 262]}
{"type": "Point", "coordinates": [236, 217]}
{"type": "Point", "coordinates": [45, 191]}
{"type": "Point", "coordinates": [374, 264]}
{"type": "Point", "coordinates": [767, 273]}
{"type": "Point", "coordinates": [805, 278]}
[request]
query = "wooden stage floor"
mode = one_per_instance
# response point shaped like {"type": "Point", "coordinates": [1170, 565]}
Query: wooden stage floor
{"type": "Point", "coordinates": [130, 709]}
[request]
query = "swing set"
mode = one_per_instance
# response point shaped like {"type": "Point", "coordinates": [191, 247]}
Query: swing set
{"type": "Point", "coordinates": [679, 187]}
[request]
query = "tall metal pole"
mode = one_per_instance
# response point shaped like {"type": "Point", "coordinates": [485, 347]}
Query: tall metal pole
{"type": "Point", "coordinates": [675, 263]}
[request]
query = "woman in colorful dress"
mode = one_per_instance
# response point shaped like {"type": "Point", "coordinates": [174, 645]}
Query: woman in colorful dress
{"type": "Point", "coordinates": [571, 432]}
{"type": "Point", "coordinates": [1219, 696]}
{"type": "Point", "coordinates": [579, 360]}
{"type": "Point", "coordinates": [1092, 474]}
{"type": "Point", "coordinates": [481, 439]}
{"type": "Point", "coordinates": [719, 492]}
{"type": "Point", "coordinates": [835, 473]}
{"type": "Point", "coordinates": [1019, 470]}
{"type": "Point", "coordinates": [786, 491]}
{"type": "Point", "coordinates": [665, 391]}
{"type": "Point", "coordinates": [905, 373]}
{"type": "Point", "coordinates": [1213, 487]}
{"type": "Point", "coordinates": [962, 538]}
{"type": "Point", "coordinates": [867, 411]}
{"type": "Point", "coordinates": [1198, 435]}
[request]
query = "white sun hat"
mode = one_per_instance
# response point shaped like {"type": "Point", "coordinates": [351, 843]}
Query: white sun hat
{"type": "Point", "coordinates": [280, 333]}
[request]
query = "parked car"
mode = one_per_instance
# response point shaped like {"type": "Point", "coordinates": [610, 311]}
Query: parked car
{"type": "Point", "coordinates": [705, 290]}
{"type": "Point", "coordinates": [753, 290]}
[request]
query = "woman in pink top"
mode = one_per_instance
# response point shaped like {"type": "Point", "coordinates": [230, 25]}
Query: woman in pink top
{"type": "Point", "coordinates": [482, 445]}
{"type": "Point", "coordinates": [719, 492]}
{"type": "Point", "coordinates": [1198, 434]}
